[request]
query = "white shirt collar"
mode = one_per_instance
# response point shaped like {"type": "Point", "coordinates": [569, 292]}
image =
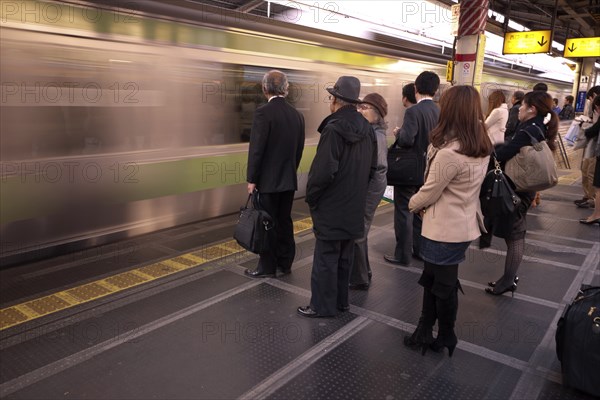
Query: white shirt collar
{"type": "Point", "coordinates": [425, 98]}
{"type": "Point", "coordinates": [272, 97]}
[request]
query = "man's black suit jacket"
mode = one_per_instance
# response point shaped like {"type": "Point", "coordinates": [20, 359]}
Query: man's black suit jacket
{"type": "Point", "coordinates": [419, 120]}
{"type": "Point", "coordinates": [276, 145]}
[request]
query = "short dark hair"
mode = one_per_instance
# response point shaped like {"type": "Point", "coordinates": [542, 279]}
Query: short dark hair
{"type": "Point", "coordinates": [540, 86]}
{"type": "Point", "coordinates": [570, 99]}
{"type": "Point", "coordinates": [408, 91]}
{"type": "Point", "coordinates": [518, 95]}
{"type": "Point", "coordinates": [427, 83]}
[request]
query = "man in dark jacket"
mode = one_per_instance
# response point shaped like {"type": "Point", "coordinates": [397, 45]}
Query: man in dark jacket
{"type": "Point", "coordinates": [276, 145]}
{"type": "Point", "coordinates": [513, 115]}
{"type": "Point", "coordinates": [414, 134]}
{"type": "Point", "coordinates": [336, 194]}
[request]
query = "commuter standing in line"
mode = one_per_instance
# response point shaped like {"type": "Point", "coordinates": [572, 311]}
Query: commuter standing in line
{"type": "Point", "coordinates": [414, 133]}
{"type": "Point", "coordinates": [567, 112]}
{"type": "Point", "coordinates": [592, 134]}
{"type": "Point", "coordinates": [408, 95]}
{"type": "Point", "coordinates": [458, 158]}
{"type": "Point", "coordinates": [276, 145]}
{"type": "Point", "coordinates": [497, 116]}
{"type": "Point", "coordinates": [556, 108]}
{"type": "Point", "coordinates": [588, 160]}
{"type": "Point", "coordinates": [336, 193]}
{"type": "Point", "coordinates": [540, 86]}
{"type": "Point", "coordinates": [513, 115]}
{"type": "Point", "coordinates": [539, 121]}
{"type": "Point", "coordinates": [374, 108]}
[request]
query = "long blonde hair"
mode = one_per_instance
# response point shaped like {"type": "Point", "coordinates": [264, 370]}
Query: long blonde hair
{"type": "Point", "coordinates": [495, 100]}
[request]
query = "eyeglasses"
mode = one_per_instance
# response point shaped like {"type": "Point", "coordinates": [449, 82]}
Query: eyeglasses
{"type": "Point", "coordinates": [364, 107]}
{"type": "Point", "coordinates": [330, 97]}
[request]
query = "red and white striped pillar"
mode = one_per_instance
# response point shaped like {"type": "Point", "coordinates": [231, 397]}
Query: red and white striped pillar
{"type": "Point", "coordinates": [470, 43]}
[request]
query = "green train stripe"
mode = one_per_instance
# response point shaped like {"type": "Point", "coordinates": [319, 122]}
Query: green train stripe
{"type": "Point", "coordinates": [42, 188]}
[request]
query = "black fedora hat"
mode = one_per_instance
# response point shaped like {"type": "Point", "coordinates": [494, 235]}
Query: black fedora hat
{"type": "Point", "coordinates": [346, 88]}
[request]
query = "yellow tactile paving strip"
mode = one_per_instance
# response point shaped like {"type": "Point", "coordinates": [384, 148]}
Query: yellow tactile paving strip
{"type": "Point", "coordinates": [30, 310]}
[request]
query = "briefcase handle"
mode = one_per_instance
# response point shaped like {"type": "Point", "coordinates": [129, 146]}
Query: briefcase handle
{"type": "Point", "coordinates": [255, 197]}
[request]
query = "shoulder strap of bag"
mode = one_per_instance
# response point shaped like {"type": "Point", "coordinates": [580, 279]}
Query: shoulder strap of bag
{"type": "Point", "coordinates": [534, 140]}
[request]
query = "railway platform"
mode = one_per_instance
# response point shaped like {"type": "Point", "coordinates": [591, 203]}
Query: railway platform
{"type": "Point", "coordinates": [171, 315]}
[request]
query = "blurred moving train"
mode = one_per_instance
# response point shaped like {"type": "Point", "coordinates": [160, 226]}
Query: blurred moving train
{"type": "Point", "coordinates": [116, 123]}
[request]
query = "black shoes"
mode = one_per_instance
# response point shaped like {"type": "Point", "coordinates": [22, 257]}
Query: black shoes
{"type": "Point", "coordinates": [308, 312]}
{"type": "Point", "coordinates": [510, 289]}
{"type": "Point", "coordinates": [282, 272]}
{"type": "Point", "coordinates": [394, 260]}
{"type": "Point", "coordinates": [493, 284]}
{"type": "Point", "coordinates": [449, 341]}
{"type": "Point", "coordinates": [257, 274]}
{"type": "Point", "coordinates": [589, 222]}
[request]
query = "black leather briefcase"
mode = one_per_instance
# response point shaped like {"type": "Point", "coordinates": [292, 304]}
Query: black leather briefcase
{"type": "Point", "coordinates": [254, 225]}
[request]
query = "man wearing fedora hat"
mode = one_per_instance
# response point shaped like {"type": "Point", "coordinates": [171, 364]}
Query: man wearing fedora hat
{"type": "Point", "coordinates": [336, 194]}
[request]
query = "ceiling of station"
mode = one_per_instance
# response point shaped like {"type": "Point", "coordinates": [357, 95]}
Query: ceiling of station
{"type": "Point", "coordinates": [572, 18]}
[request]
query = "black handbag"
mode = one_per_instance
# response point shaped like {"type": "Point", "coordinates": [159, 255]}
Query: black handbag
{"type": "Point", "coordinates": [497, 195]}
{"type": "Point", "coordinates": [405, 166]}
{"type": "Point", "coordinates": [253, 227]}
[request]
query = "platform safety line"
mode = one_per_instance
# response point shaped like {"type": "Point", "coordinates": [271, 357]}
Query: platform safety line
{"type": "Point", "coordinates": [24, 312]}
{"type": "Point", "coordinates": [9, 387]}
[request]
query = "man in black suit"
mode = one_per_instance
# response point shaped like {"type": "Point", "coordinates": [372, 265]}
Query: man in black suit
{"type": "Point", "coordinates": [414, 133]}
{"type": "Point", "coordinates": [276, 145]}
{"type": "Point", "coordinates": [336, 193]}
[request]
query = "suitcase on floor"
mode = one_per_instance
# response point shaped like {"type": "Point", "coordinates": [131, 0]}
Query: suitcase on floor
{"type": "Point", "coordinates": [578, 342]}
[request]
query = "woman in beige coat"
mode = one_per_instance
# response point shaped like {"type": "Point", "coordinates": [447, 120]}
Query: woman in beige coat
{"type": "Point", "coordinates": [458, 157]}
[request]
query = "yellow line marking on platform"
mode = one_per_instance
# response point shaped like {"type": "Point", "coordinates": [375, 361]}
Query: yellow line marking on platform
{"type": "Point", "coordinates": [570, 178]}
{"type": "Point", "coordinates": [36, 308]}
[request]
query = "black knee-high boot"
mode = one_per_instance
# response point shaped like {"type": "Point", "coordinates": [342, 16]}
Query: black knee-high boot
{"type": "Point", "coordinates": [422, 337]}
{"type": "Point", "coordinates": [447, 309]}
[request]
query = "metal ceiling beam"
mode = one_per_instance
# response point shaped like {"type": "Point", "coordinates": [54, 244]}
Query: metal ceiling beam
{"type": "Point", "coordinates": [249, 6]}
{"type": "Point", "coordinates": [577, 16]}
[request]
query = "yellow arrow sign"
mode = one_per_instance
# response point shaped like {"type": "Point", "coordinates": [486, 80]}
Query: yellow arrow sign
{"type": "Point", "coordinates": [582, 47]}
{"type": "Point", "coordinates": [526, 42]}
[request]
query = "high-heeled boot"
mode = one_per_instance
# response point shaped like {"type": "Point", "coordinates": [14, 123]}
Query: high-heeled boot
{"type": "Point", "coordinates": [446, 313]}
{"type": "Point", "coordinates": [422, 337]}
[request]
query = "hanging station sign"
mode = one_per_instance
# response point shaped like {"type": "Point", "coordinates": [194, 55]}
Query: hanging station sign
{"type": "Point", "coordinates": [527, 42]}
{"type": "Point", "coordinates": [582, 47]}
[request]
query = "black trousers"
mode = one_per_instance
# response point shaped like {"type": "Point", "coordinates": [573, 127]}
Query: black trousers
{"type": "Point", "coordinates": [331, 275]}
{"type": "Point", "coordinates": [407, 226]}
{"type": "Point", "coordinates": [282, 245]}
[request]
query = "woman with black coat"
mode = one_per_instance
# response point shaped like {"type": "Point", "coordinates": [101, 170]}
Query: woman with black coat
{"type": "Point", "coordinates": [536, 118]}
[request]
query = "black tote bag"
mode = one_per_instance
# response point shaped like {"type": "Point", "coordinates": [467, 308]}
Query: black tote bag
{"type": "Point", "coordinates": [406, 166]}
{"type": "Point", "coordinates": [253, 227]}
{"type": "Point", "coordinates": [497, 195]}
